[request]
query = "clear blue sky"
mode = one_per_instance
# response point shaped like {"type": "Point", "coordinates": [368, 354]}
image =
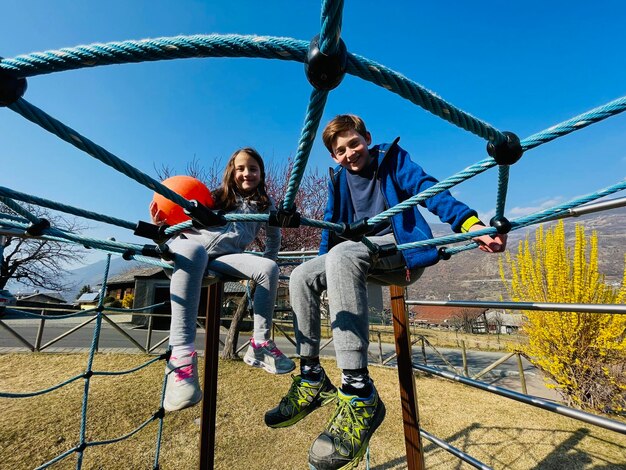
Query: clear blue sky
{"type": "Point", "coordinates": [521, 66]}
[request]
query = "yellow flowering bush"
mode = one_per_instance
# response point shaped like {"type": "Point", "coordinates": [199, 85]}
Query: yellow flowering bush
{"type": "Point", "coordinates": [584, 353]}
{"type": "Point", "coordinates": [127, 301]}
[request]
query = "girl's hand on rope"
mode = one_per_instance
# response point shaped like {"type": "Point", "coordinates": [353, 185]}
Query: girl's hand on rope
{"type": "Point", "coordinates": [488, 244]}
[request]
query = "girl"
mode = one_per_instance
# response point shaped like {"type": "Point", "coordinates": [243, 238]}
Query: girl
{"type": "Point", "coordinates": [220, 249]}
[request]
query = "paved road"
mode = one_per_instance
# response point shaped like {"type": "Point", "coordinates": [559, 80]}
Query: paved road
{"type": "Point", "coordinates": [504, 375]}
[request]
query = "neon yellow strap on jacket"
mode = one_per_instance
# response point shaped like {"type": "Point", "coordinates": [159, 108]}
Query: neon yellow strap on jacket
{"type": "Point", "coordinates": [472, 220]}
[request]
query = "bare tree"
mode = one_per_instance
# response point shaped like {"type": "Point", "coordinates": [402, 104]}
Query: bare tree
{"type": "Point", "coordinates": [466, 319]}
{"type": "Point", "coordinates": [37, 262]}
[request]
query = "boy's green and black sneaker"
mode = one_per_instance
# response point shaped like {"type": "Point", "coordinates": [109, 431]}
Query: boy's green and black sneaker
{"type": "Point", "coordinates": [302, 398]}
{"type": "Point", "coordinates": [345, 440]}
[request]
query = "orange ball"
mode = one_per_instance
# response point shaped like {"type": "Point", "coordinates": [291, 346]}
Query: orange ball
{"type": "Point", "coordinates": [164, 211]}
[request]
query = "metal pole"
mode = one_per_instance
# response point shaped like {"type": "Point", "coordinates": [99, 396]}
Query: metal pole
{"type": "Point", "coordinates": [380, 348]}
{"type": "Point", "coordinates": [541, 306]}
{"type": "Point", "coordinates": [211, 351]}
{"type": "Point", "coordinates": [605, 423]}
{"type": "Point", "coordinates": [408, 395]}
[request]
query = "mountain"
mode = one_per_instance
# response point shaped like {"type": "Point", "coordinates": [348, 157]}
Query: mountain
{"type": "Point", "coordinates": [92, 274]}
{"type": "Point", "coordinates": [474, 275]}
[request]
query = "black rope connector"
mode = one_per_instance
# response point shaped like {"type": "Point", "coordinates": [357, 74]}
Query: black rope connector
{"type": "Point", "coordinates": [325, 72]}
{"type": "Point", "coordinates": [157, 251]}
{"type": "Point", "coordinates": [167, 354]}
{"type": "Point", "coordinates": [444, 254]}
{"type": "Point", "coordinates": [82, 447]}
{"type": "Point", "coordinates": [284, 217]}
{"type": "Point", "coordinates": [36, 229]}
{"type": "Point", "coordinates": [507, 152]}
{"type": "Point", "coordinates": [203, 216]}
{"type": "Point", "coordinates": [128, 254]}
{"type": "Point", "coordinates": [501, 224]}
{"type": "Point", "coordinates": [151, 231]}
{"type": "Point", "coordinates": [11, 87]}
{"type": "Point", "coordinates": [383, 251]}
{"type": "Point", "coordinates": [356, 230]}
{"type": "Point", "coordinates": [160, 413]}
{"type": "Point", "coordinates": [88, 374]}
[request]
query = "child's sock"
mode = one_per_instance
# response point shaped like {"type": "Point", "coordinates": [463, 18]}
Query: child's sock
{"type": "Point", "coordinates": [356, 382]}
{"type": "Point", "coordinates": [183, 350]}
{"type": "Point", "coordinates": [311, 369]}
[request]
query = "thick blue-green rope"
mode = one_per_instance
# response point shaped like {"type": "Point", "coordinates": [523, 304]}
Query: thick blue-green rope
{"type": "Point", "coordinates": [417, 94]}
{"type": "Point", "coordinates": [54, 234]}
{"type": "Point", "coordinates": [578, 122]}
{"type": "Point", "coordinates": [330, 32]}
{"type": "Point", "coordinates": [92, 352]}
{"type": "Point", "coordinates": [180, 47]}
{"type": "Point", "coordinates": [66, 133]}
{"type": "Point", "coordinates": [147, 50]}
{"type": "Point", "coordinates": [13, 218]}
{"type": "Point", "coordinates": [563, 208]}
{"type": "Point", "coordinates": [521, 221]}
{"type": "Point", "coordinates": [503, 184]}
{"type": "Point", "coordinates": [106, 246]}
{"type": "Point", "coordinates": [30, 199]}
{"type": "Point", "coordinates": [14, 206]}
{"type": "Point", "coordinates": [328, 44]}
{"type": "Point", "coordinates": [437, 188]}
{"type": "Point", "coordinates": [314, 112]}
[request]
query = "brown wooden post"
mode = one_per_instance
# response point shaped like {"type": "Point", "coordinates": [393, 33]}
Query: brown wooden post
{"type": "Point", "coordinates": [211, 351]}
{"type": "Point", "coordinates": [408, 393]}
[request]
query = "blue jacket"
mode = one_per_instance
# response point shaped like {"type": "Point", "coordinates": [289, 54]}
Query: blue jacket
{"type": "Point", "coordinates": [400, 178]}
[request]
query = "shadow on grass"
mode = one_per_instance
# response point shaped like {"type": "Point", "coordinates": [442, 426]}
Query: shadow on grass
{"type": "Point", "coordinates": [516, 447]}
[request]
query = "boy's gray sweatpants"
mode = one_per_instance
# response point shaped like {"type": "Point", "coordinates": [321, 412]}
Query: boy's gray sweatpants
{"type": "Point", "coordinates": [343, 272]}
{"type": "Point", "coordinates": [191, 262]}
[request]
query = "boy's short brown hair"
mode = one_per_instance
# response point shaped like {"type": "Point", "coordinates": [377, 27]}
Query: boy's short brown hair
{"type": "Point", "coordinates": [342, 123]}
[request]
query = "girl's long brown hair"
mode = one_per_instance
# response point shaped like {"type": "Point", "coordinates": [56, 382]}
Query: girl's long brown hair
{"type": "Point", "coordinates": [225, 196]}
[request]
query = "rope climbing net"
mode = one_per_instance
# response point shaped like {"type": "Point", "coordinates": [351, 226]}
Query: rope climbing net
{"type": "Point", "coordinates": [326, 60]}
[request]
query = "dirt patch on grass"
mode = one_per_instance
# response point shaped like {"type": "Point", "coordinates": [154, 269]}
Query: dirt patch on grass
{"type": "Point", "coordinates": [499, 432]}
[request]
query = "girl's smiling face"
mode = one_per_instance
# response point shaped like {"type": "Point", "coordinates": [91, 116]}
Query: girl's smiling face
{"type": "Point", "coordinates": [247, 173]}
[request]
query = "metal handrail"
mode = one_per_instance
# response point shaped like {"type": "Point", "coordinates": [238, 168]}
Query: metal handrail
{"type": "Point", "coordinates": [540, 306]}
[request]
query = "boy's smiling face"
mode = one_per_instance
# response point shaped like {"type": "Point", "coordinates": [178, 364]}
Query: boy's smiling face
{"type": "Point", "coordinates": [350, 150]}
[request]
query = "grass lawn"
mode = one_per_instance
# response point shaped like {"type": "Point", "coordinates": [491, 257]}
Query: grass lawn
{"type": "Point", "coordinates": [499, 432]}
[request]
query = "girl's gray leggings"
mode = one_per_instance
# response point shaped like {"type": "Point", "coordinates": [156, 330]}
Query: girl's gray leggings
{"type": "Point", "coordinates": [343, 272]}
{"type": "Point", "coordinates": [191, 262]}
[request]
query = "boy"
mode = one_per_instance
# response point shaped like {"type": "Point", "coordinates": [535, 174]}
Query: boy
{"type": "Point", "coordinates": [366, 182]}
